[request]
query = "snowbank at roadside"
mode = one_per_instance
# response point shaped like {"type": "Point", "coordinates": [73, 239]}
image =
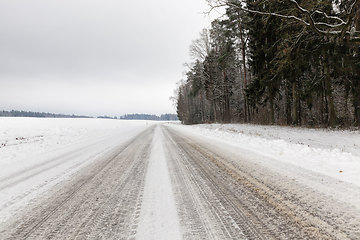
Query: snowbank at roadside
{"type": "Point", "coordinates": [332, 153]}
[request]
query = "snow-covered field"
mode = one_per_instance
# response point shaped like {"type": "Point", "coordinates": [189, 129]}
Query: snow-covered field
{"type": "Point", "coordinates": [36, 153]}
{"type": "Point", "coordinates": [332, 153]}
{"type": "Point", "coordinates": [20, 137]}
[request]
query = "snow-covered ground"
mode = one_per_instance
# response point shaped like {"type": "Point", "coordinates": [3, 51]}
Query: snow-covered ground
{"type": "Point", "coordinates": [328, 152]}
{"type": "Point", "coordinates": [175, 182]}
{"type": "Point", "coordinates": [20, 137]}
{"type": "Point", "coordinates": [36, 153]}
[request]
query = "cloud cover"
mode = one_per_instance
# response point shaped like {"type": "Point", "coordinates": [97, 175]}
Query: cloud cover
{"type": "Point", "coordinates": [95, 57]}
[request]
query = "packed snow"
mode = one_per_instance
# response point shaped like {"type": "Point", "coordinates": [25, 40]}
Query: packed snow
{"type": "Point", "coordinates": [158, 216]}
{"type": "Point", "coordinates": [334, 153]}
{"type": "Point", "coordinates": [36, 153]}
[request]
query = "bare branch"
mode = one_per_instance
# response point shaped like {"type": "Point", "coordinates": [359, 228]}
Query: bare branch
{"type": "Point", "coordinates": [330, 17]}
{"type": "Point", "coordinates": [338, 29]}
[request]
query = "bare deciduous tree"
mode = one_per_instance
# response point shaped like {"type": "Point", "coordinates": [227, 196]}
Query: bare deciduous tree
{"type": "Point", "coordinates": [200, 47]}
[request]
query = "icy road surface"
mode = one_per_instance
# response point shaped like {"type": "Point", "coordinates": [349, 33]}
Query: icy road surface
{"type": "Point", "coordinates": [167, 183]}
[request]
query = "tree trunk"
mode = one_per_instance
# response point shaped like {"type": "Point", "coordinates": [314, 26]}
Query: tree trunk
{"type": "Point", "coordinates": [300, 110]}
{"type": "Point", "coordinates": [243, 53]}
{"type": "Point", "coordinates": [288, 104]}
{"type": "Point", "coordinates": [332, 120]}
{"type": "Point", "coordinates": [356, 101]}
{"type": "Point", "coordinates": [214, 109]}
{"type": "Point", "coordinates": [332, 114]}
{"type": "Point", "coordinates": [227, 114]}
{"type": "Point", "coordinates": [202, 106]}
{"type": "Point", "coordinates": [245, 74]}
{"type": "Point", "coordinates": [322, 112]}
{"type": "Point", "coordinates": [356, 83]}
{"type": "Point", "coordinates": [272, 112]}
{"type": "Point", "coordinates": [226, 92]}
{"type": "Point", "coordinates": [295, 104]}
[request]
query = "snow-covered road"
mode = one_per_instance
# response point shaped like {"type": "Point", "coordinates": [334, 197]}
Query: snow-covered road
{"type": "Point", "coordinates": [36, 154]}
{"type": "Point", "coordinates": [158, 216]}
{"type": "Point", "coordinates": [165, 181]}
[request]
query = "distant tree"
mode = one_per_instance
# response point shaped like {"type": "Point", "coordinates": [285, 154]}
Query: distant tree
{"type": "Point", "coordinates": [15, 113]}
{"type": "Point", "coordinates": [163, 117]}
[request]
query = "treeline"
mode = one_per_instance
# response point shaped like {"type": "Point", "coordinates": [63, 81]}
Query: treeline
{"type": "Point", "coordinates": [107, 117]}
{"type": "Point", "coordinates": [162, 117]}
{"type": "Point", "coordinates": [14, 113]}
{"type": "Point", "coordinates": [276, 62]}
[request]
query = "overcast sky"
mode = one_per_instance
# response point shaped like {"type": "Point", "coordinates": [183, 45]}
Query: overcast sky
{"type": "Point", "coordinates": [95, 57]}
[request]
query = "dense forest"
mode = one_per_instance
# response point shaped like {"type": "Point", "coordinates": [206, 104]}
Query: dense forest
{"type": "Point", "coordinates": [280, 62]}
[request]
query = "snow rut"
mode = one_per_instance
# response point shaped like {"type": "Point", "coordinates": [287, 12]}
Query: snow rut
{"type": "Point", "coordinates": [102, 202]}
{"type": "Point", "coordinates": [219, 198]}
{"type": "Point", "coordinates": [166, 185]}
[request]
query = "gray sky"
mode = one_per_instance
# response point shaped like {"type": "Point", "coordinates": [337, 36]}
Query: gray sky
{"type": "Point", "coordinates": [95, 57]}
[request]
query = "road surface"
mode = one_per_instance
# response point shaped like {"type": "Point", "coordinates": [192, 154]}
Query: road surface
{"type": "Point", "coordinates": [164, 184]}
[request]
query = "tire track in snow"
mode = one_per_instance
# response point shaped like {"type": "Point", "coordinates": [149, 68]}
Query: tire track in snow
{"type": "Point", "coordinates": [166, 185]}
{"type": "Point", "coordinates": [221, 197]}
{"type": "Point", "coordinates": [101, 202]}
